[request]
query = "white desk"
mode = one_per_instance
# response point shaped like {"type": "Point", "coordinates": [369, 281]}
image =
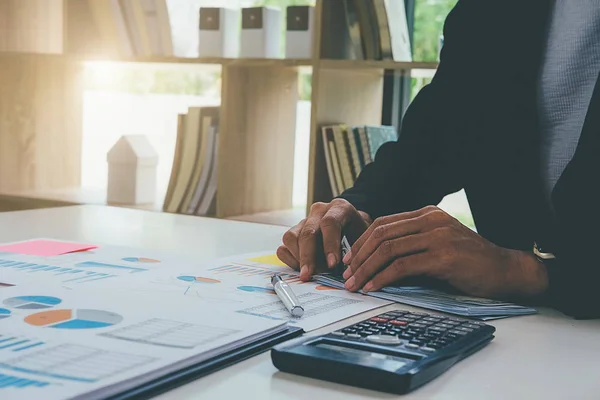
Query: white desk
{"type": "Point", "coordinates": [543, 356]}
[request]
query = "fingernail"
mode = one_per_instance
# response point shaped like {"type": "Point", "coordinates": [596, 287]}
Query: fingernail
{"type": "Point", "coordinates": [347, 273]}
{"type": "Point", "coordinates": [368, 287]}
{"type": "Point", "coordinates": [331, 260]}
{"type": "Point", "coordinates": [350, 283]}
{"type": "Point", "coordinates": [347, 257]}
{"type": "Point", "coordinates": [304, 271]}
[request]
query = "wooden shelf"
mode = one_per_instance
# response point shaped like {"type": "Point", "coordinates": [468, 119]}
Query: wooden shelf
{"type": "Point", "coordinates": [374, 64]}
{"type": "Point", "coordinates": [243, 62]}
{"type": "Point", "coordinates": [41, 121]}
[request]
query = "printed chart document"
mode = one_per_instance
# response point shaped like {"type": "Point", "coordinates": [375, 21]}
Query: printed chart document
{"type": "Point", "coordinates": [239, 284]}
{"type": "Point", "coordinates": [453, 303]}
{"type": "Point", "coordinates": [57, 343]}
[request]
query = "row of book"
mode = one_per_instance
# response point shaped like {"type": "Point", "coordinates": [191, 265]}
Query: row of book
{"type": "Point", "coordinates": [124, 28]}
{"type": "Point", "coordinates": [365, 30]}
{"type": "Point", "coordinates": [192, 187]}
{"type": "Point", "coordinates": [349, 148]}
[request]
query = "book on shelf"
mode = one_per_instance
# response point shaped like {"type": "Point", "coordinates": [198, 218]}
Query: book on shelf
{"type": "Point", "coordinates": [124, 28]}
{"type": "Point", "coordinates": [193, 182]}
{"type": "Point", "coordinates": [348, 149]}
{"type": "Point", "coordinates": [365, 30]}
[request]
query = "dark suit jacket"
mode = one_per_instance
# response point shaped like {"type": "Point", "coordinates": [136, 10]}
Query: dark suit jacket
{"type": "Point", "coordinates": [475, 127]}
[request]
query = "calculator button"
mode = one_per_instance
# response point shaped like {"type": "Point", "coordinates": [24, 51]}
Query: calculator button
{"type": "Point", "coordinates": [389, 333]}
{"type": "Point", "coordinates": [471, 326]}
{"type": "Point", "coordinates": [417, 342]}
{"type": "Point", "coordinates": [452, 323]}
{"type": "Point", "coordinates": [387, 316]}
{"type": "Point", "coordinates": [384, 339]}
{"type": "Point", "coordinates": [378, 320]}
{"type": "Point", "coordinates": [460, 321]}
{"type": "Point", "coordinates": [437, 329]}
{"type": "Point", "coordinates": [412, 346]}
{"type": "Point", "coordinates": [398, 323]}
{"type": "Point", "coordinates": [428, 349]}
{"type": "Point", "coordinates": [420, 314]}
{"type": "Point", "coordinates": [349, 330]}
{"type": "Point", "coordinates": [416, 325]}
{"type": "Point", "coordinates": [406, 336]}
{"type": "Point", "coordinates": [338, 333]}
{"type": "Point", "coordinates": [354, 336]}
{"type": "Point", "coordinates": [462, 328]}
{"type": "Point", "coordinates": [432, 319]}
{"type": "Point", "coordinates": [447, 326]}
{"type": "Point", "coordinates": [457, 332]}
{"type": "Point", "coordinates": [396, 313]}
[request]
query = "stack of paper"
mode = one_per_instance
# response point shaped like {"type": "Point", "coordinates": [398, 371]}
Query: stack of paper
{"type": "Point", "coordinates": [59, 343]}
{"type": "Point", "coordinates": [91, 321]}
{"type": "Point", "coordinates": [473, 307]}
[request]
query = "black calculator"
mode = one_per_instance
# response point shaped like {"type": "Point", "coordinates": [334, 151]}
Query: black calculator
{"type": "Point", "coordinates": [394, 352]}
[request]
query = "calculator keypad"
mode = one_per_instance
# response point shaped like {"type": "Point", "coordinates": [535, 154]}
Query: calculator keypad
{"type": "Point", "coordinates": [415, 331]}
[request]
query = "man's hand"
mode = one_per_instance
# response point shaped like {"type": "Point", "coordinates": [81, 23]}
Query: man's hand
{"type": "Point", "coordinates": [429, 242]}
{"type": "Point", "coordinates": [315, 241]}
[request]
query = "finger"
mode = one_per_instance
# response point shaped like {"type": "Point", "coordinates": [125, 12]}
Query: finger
{"type": "Point", "coordinates": [284, 254]}
{"type": "Point", "coordinates": [384, 221]}
{"type": "Point", "coordinates": [425, 263]}
{"type": "Point", "coordinates": [309, 241]}
{"type": "Point", "coordinates": [290, 240]}
{"type": "Point", "coordinates": [384, 233]}
{"type": "Point", "coordinates": [334, 221]}
{"type": "Point", "coordinates": [385, 254]}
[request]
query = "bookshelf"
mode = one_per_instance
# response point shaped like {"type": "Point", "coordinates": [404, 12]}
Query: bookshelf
{"type": "Point", "coordinates": [42, 99]}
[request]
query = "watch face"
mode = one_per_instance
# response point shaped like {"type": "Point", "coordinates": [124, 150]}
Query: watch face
{"type": "Point", "coordinates": [252, 18]}
{"type": "Point", "coordinates": [209, 19]}
{"type": "Point", "coordinates": [297, 18]}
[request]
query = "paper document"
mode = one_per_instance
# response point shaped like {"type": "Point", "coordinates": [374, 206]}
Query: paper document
{"type": "Point", "coordinates": [484, 309]}
{"type": "Point", "coordinates": [239, 284]}
{"type": "Point", "coordinates": [57, 343]}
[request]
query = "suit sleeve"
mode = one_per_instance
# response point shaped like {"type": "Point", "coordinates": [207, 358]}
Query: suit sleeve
{"type": "Point", "coordinates": [426, 163]}
{"type": "Point", "coordinates": [574, 277]}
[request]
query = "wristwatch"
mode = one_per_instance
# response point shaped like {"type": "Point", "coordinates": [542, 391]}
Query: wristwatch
{"type": "Point", "coordinates": [542, 255]}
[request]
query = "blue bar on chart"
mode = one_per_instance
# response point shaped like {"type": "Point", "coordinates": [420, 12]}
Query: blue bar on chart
{"type": "Point", "coordinates": [8, 381]}
{"type": "Point", "coordinates": [73, 275]}
{"type": "Point", "coordinates": [15, 343]}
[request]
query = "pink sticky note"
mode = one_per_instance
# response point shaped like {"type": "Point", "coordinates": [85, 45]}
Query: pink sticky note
{"type": "Point", "coordinates": [45, 248]}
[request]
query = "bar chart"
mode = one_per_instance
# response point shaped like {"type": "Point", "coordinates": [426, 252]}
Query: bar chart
{"type": "Point", "coordinates": [18, 343]}
{"type": "Point", "coordinates": [74, 363]}
{"type": "Point", "coordinates": [251, 270]}
{"type": "Point", "coordinates": [8, 381]}
{"type": "Point", "coordinates": [65, 274]}
{"type": "Point", "coordinates": [167, 333]}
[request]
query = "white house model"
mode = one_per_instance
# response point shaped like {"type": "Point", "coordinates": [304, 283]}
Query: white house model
{"type": "Point", "coordinates": [132, 165]}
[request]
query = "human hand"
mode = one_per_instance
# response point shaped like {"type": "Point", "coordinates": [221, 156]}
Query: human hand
{"type": "Point", "coordinates": [315, 241]}
{"type": "Point", "coordinates": [429, 242]}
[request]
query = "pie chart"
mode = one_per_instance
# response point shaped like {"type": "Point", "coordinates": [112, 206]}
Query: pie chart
{"type": "Point", "coordinates": [140, 260]}
{"type": "Point", "coordinates": [197, 279]}
{"type": "Point", "coordinates": [74, 319]}
{"type": "Point", "coordinates": [32, 302]}
{"type": "Point", "coordinates": [256, 289]}
{"type": "Point", "coordinates": [4, 313]}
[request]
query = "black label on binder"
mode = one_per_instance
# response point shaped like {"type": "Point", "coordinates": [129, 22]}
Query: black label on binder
{"type": "Point", "coordinates": [209, 19]}
{"type": "Point", "coordinates": [252, 18]}
{"type": "Point", "coordinates": [297, 18]}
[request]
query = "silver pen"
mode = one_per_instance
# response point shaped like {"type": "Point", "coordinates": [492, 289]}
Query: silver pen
{"type": "Point", "coordinates": [287, 296]}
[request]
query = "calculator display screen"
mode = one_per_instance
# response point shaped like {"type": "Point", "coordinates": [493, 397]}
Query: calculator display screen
{"type": "Point", "coordinates": [392, 362]}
